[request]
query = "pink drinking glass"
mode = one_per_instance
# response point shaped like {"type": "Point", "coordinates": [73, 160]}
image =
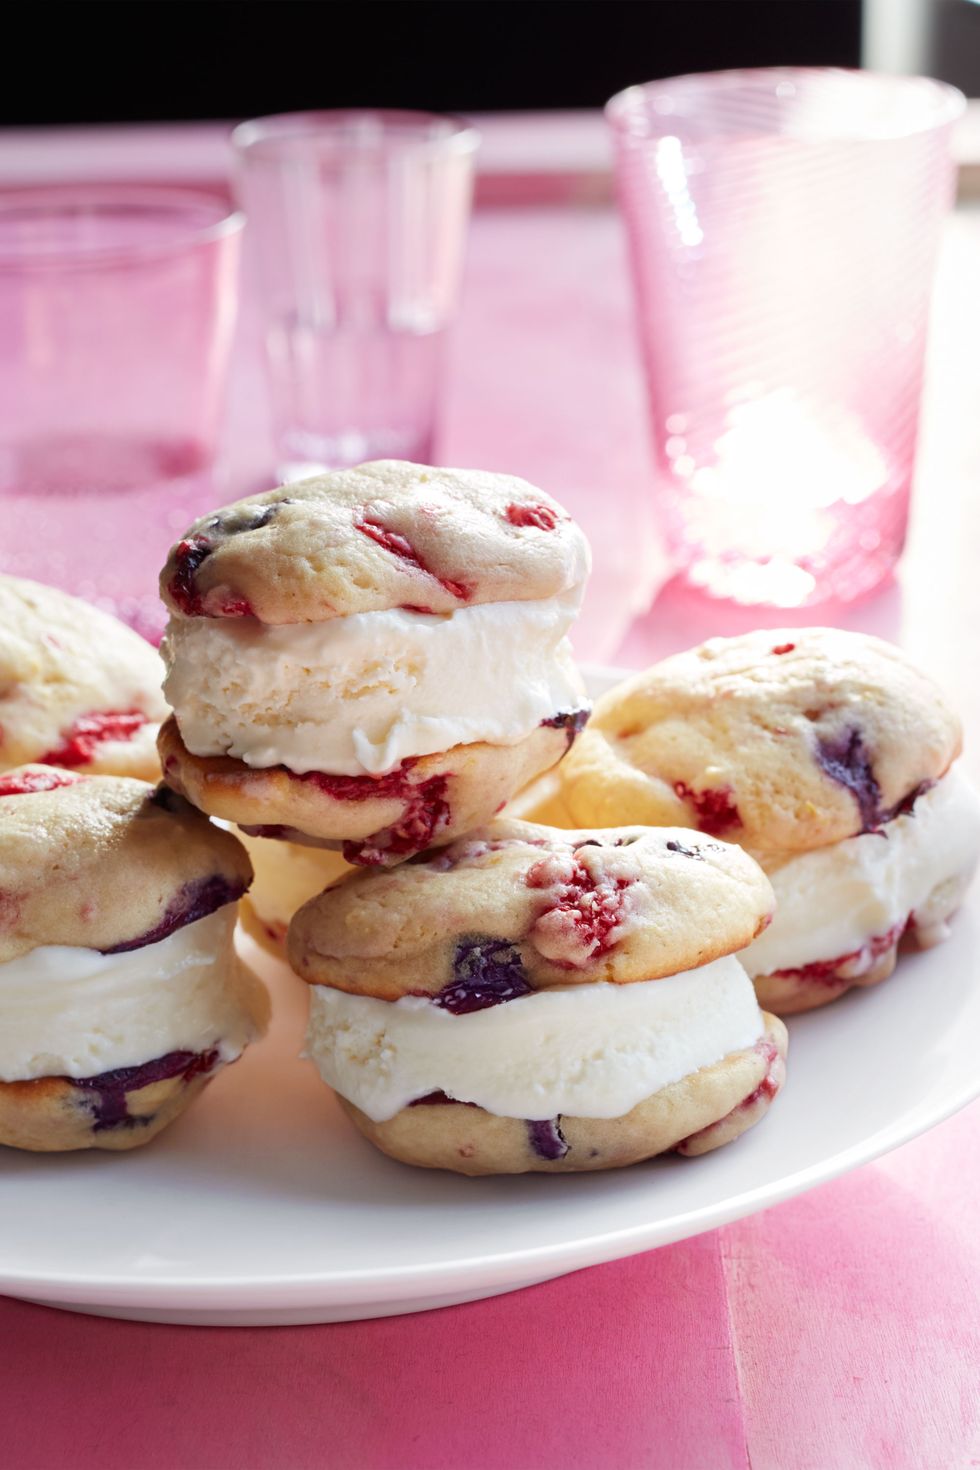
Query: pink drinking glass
{"type": "Point", "coordinates": [117, 304]}
{"type": "Point", "coordinates": [783, 227]}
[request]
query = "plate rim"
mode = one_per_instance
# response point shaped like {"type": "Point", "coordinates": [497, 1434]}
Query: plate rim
{"type": "Point", "coordinates": [250, 1291]}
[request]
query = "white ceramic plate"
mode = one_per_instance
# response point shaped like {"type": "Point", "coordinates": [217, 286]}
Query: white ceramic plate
{"type": "Point", "coordinates": [262, 1204]}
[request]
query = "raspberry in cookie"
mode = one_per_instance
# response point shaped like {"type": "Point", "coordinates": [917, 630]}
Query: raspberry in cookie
{"type": "Point", "coordinates": [534, 1000]}
{"type": "Point", "coordinates": [830, 757]}
{"type": "Point", "coordinates": [375, 659]}
{"type": "Point", "coordinates": [77, 688]}
{"type": "Point", "coordinates": [120, 991]}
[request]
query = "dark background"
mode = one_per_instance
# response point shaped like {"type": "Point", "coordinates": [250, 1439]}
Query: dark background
{"type": "Point", "coordinates": [148, 60]}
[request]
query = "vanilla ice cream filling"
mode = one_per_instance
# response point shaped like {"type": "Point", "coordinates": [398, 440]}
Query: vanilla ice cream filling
{"type": "Point", "coordinates": [590, 1051]}
{"type": "Point", "coordinates": [71, 1012]}
{"type": "Point", "coordinates": [357, 695]}
{"type": "Point", "coordinates": [830, 902]}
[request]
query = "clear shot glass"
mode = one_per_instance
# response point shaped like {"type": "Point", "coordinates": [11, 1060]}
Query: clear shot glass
{"type": "Point", "coordinates": [783, 227]}
{"type": "Point", "coordinates": [117, 304]}
{"type": "Point", "coordinates": [357, 222]}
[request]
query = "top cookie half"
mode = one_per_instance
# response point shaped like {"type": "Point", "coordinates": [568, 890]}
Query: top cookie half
{"type": "Point", "coordinates": [105, 862]}
{"type": "Point", "coordinates": [549, 907]}
{"type": "Point", "coordinates": [383, 535]}
{"type": "Point", "coordinates": [780, 740]}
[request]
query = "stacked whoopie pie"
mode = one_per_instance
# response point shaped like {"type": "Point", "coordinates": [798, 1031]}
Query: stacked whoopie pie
{"type": "Point", "coordinates": [367, 663]}
{"type": "Point", "coordinates": [372, 663]}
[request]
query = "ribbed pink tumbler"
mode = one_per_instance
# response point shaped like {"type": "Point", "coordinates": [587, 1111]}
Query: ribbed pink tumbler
{"type": "Point", "coordinates": [783, 228]}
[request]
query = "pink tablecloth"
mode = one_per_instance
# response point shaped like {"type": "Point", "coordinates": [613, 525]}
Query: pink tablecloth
{"type": "Point", "coordinates": [839, 1330]}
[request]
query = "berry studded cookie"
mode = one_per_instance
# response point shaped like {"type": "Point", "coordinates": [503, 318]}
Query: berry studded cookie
{"type": "Point", "coordinates": [827, 754]}
{"type": "Point", "coordinates": [374, 660]}
{"type": "Point", "coordinates": [120, 991]}
{"type": "Point", "coordinates": [529, 999]}
{"type": "Point", "coordinates": [77, 688]}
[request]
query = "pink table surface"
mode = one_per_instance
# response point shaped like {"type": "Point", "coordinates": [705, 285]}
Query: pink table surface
{"type": "Point", "coordinates": [839, 1330]}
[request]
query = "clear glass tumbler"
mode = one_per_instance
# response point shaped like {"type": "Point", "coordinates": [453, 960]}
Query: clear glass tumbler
{"type": "Point", "coordinates": [117, 304]}
{"type": "Point", "coordinates": [783, 228]}
{"type": "Point", "coordinates": [357, 222]}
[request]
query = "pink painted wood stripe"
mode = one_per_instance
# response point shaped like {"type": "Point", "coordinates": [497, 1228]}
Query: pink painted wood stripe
{"type": "Point", "coordinates": [626, 1365]}
{"type": "Point", "coordinates": [856, 1314]}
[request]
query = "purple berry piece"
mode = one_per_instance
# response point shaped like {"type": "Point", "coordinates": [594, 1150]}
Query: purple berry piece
{"type": "Point", "coordinates": [572, 721]}
{"type": "Point", "coordinates": [247, 518]}
{"type": "Point", "coordinates": [167, 800]}
{"type": "Point", "coordinates": [486, 971]}
{"type": "Point", "coordinates": [547, 1139]}
{"type": "Point", "coordinates": [187, 559]}
{"type": "Point", "coordinates": [906, 806]}
{"type": "Point", "coordinates": [691, 852]}
{"type": "Point", "coordinates": [846, 760]}
{"type": "Point", "coordinates": [109, 1089]}
{"type": "Point", "coordinates": [594, 842]}
{"type": "Point", "coordinates": [192, 902]}
{"type": "Point", "coordinates": [439, 1099]}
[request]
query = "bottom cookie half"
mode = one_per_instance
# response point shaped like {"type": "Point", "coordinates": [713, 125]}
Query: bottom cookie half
{"type": "Point", "coordinates": [698, 1113]}
{"type": "Point", "coordinates": [115, 1110]}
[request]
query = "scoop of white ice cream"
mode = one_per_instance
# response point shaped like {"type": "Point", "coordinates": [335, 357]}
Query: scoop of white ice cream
{"type": "Point", "coordinates": [358, 695]}
{"type": "Point", "coordinates": [591, 1051]}
{"type": "Point", "coordinates": [831, 901]}
{"type": "Point", "coordinates": [68, 1012]}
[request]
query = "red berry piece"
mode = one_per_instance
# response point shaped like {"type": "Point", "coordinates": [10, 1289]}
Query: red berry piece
{"type": "Point", "coordinates": [426, 810]}
{"type": "Point", "coordinates": [182, 586]}
{"type": "Point", "coordinates": [716, 811]}
{"type": "Point", "coordinates": [582, 913]}
{"type": "Point", "coordinates": [399, 545]}
{"type": "Point", "coordinates": [847, 966]}
{"type": "Point", "coordinates": [25, 783]}
{"type": "Point", "coordinates": [542, 517]}
{"type": "Point", "coordinates": [88, 733]}
{"type": "Point", "coordinates": [363, 788]}
{"type": "Point", "coordinates": [426, 814]}
{"type": "Point", "coordinates": [768, 1087]}
{"type": "Point", "coordinates": [233, 607]}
